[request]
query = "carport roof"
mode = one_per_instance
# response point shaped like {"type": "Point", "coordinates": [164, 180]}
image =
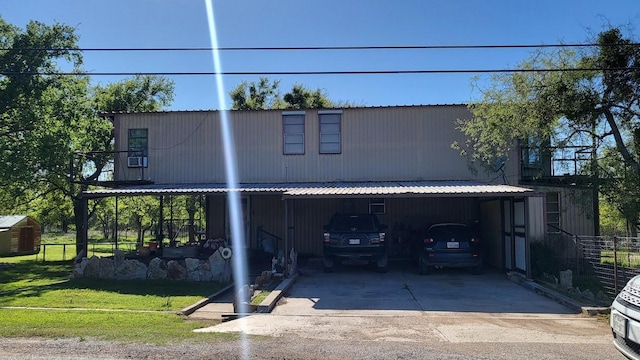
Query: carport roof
{"type": "Point", "coordinates": [327, 189]}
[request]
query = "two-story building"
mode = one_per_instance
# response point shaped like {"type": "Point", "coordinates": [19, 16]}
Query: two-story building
{"type": "Point", "coordinates": [297, 168]}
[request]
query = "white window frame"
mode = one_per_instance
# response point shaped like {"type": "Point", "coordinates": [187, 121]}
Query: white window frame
{"type": "Point", "coordinates": [292, 133]}
{"type": "Point", "coordinates": [556, 211]}
{"type": "Point", "coordinates": [328, 136]}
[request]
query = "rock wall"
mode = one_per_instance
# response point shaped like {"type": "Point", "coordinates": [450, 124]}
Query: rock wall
{"type": "Point", "coordinates": [215, 268]}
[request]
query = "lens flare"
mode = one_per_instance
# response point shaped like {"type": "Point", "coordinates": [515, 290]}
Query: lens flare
{"type": "Point", "coordinates": [239, 261]}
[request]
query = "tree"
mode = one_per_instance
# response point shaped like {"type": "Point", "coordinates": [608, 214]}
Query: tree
{"type": "Point", "coordinates": [51, 124]}
{"type": "Point", "coordinates": [141, 93]}
{"type": "Point", "coordinates": [256, 96]}
{"type": "Point", "coordinates": [303, 98]}
{"type": "Point", "coordinates": [592, 98]}
{"type": "Point", "coordinates": [24, 95]}
{"type": "Point", "coordinates": [142, 213]}
{"type": "Point", "coordinates": [265, 94]}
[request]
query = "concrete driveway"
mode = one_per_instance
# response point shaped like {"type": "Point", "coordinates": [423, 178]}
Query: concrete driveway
{"type": "Point", "coordinates": [446, 307]}
{"type": "Point", "coordinates": [402, 292]}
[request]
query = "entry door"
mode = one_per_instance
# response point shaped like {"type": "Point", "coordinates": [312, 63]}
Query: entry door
{"type": "Point", "coordinates": [519, 232]}
{"type": "Point", "coordinates": [514, 236]}
{"type": "Point", "coordinates": [507, 235]}
{"type": "Point", "coordinates": [25, 242]}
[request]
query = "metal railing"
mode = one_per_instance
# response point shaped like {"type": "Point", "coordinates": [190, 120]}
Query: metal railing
{"type": "Point", "coordinates": [51, 252]}
{"type": "Point", "coordinates": [598, 263]}
{"type": "Point", "coordinates": [267, 243]}
{"type": "Point", "coordinates": [614, 260]}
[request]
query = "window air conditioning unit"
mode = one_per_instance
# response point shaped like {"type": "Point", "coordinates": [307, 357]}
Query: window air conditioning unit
{"type": "Point", "coordinates": [136, 161]}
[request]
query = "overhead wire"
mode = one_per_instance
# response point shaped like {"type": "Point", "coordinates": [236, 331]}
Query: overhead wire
{"type": "Point", "coordinates": [338, 72]}
{"type": "Point", "coordinates": [346, 47]}
{"type": "Point", "coordinates": [320, 48]}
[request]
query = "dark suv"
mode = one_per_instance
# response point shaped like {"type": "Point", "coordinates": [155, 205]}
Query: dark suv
{"type": "Point", "coordinates": [450, 245]}
{"type": "Point", "coordinates": [355, 236]}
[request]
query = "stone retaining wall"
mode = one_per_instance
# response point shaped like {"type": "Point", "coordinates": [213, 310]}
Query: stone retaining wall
{"type": "Point", "coordinates": [215, 268]}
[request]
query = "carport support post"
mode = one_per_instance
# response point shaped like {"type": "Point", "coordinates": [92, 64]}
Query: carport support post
{"type": "Point", "coordinates": [286, 236]}
{"type": "Point", "coordinates": [84, 201]}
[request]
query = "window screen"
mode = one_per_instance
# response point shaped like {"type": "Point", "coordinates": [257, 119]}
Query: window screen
{"type": "Point", "coordinates": [330, 133]}
{"type": "Point", "coordinates": [293, 131]}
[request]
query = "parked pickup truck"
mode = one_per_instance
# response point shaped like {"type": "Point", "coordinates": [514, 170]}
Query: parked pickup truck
{"type": "Point", "coordinates": [355, 236]}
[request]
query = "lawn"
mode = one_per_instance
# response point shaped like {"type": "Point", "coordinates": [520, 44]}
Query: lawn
{"type": "Point", "coordinates": [131, 310]}
{"type": "Point", "coordinates": [135, 327]}
{"type": "Point", "coordinates": [625, 258]}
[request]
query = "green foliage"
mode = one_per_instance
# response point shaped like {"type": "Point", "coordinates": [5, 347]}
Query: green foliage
{"type": "Point", "coordinates": [612, 222]}
{"type": "Point", "coordinates": [50, 124]}
{"type": "Point", "coordinates": [592, 99]}
{"type": "Point", "coordinates": [302, 98]}
{"type": "Point", "coordinates": [141, 93]}
{"type": "Point", "coordinates": [265, 94]}
{"type": "Point", "coordinates": [256, 96]}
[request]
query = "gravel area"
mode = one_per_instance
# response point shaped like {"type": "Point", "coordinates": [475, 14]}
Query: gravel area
{"type": "Point", "coordinates": [293, 347]}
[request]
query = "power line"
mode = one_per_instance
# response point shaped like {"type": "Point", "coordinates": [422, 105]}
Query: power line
{"type": "Point", "coordinates": [307, 48]}
{"type": "Point", "coordinates": [358, 72]}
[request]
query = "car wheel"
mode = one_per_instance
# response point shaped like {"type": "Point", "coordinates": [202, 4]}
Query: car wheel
{"type": "Point", "coordinates": [423, 269]}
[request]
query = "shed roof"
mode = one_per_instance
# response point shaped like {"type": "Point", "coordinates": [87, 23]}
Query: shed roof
{"type": "Point", "coordinates": [7, 221]}
{"type": "Point", "coordinates": [331, 189]}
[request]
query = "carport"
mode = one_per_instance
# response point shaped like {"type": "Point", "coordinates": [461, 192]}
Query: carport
{"type": "Point", "coordinates": [508, 216]}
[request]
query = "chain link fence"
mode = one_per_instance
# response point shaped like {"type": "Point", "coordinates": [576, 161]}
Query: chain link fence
{"type": "Point", "coordinates": [598, 263]}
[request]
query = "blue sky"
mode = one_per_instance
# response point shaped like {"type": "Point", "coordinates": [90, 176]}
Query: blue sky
{"type": "Point", "coordinates": [294, 23]}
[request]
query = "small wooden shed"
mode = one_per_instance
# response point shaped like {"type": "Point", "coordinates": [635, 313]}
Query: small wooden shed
{"type": "Point", "coordinates": [19, 235]}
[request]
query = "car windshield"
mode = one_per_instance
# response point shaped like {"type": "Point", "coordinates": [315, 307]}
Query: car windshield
{"type": "Point", "coordinates": [353, 223]}
{"type": "Point", "coordinates": [450, 232]}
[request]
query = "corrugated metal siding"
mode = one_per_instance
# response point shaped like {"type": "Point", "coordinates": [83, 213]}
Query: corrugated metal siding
{"type": "Point", "coordinates": [576, 209]}
{"type": "Point", "coordinates": [416, 214]}
{"type": "Point", "coordinates": [396, 143]}
{"type": "Point", "coordinates": [268, 212]}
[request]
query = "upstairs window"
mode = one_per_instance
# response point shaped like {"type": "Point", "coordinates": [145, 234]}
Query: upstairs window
{"type": "Point", "coordinates": [138, 142]}
{"type": "Point", "coordinates": [293, 133]}
{"type": "Point", "coordinates": [330, 142]}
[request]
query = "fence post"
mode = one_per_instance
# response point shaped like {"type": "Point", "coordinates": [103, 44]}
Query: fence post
{"type": "Point", "coordinates": [615, 264]}
{"type": "Point", "coordinates": [576, 254]}
{"type": "Point", "coordinates": [44, 251]}
{"type": "Point", "coordinates": [64, 252]}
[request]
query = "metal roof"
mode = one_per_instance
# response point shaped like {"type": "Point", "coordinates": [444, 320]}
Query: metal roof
{"type": "Point", "coordinates": [280, 110]}
{"type": "Point", "coordinates": [330, 189]}
{"type": "Point", "coordinates": [7, 221]}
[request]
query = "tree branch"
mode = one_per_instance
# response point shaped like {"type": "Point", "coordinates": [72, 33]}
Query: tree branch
{"type": "Point", "coordinates": [628, 159]}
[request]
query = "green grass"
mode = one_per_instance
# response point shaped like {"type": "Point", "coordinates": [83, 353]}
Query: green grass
{"type": "Point", "coordinates": [625, 258]}
{"type": "Point", "coordinates": [155, 328]}
{"type": "Point", "coordinates": [35, 284]}
{"type": "Point", "coordinates": [28, 274]}
{"type": "Point", "coordinates": [260, 297]}
{"type": "Point", "coordinates": [47, 285]}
